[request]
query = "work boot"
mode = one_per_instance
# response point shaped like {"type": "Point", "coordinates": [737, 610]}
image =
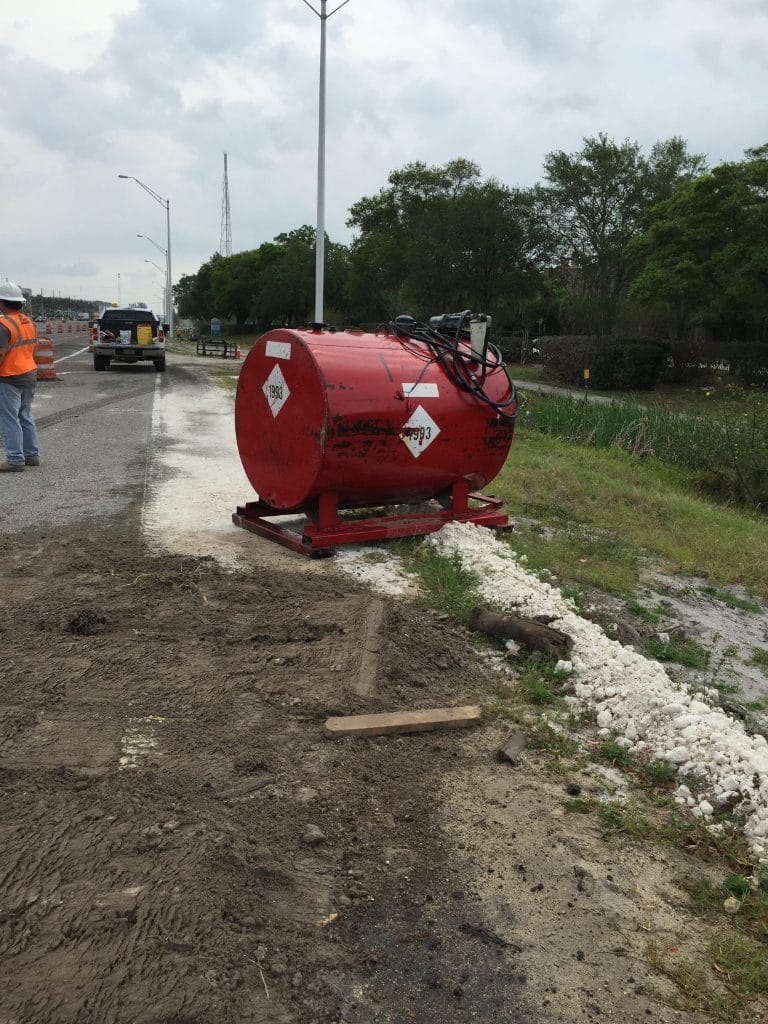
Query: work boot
{"type": "Point", "coordinates": [10, 467]}
{"type": "Point", "coordinates": [32, 460]}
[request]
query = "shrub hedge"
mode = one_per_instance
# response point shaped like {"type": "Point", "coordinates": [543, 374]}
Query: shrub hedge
{"type": "Point", "coordinates": [613, 363]}
{"type": "Point", "coordinates": [639, 363]}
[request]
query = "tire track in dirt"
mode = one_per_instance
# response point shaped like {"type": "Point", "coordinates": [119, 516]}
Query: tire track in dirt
{"type": "Point", "coordinates": [54, 418]}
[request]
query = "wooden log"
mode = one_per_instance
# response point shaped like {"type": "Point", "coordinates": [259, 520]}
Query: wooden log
{"type": "Point", "coordinates": [525, 631]}
{"type": "Point", "coordinates": [403, 721]}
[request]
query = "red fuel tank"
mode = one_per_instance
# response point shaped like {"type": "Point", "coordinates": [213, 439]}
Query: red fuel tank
{"type": "Point", "coordinates": [372, 418]}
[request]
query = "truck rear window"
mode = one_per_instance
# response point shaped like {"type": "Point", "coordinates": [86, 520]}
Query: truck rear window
{"type": "Point", "coordinates": [137, 316]}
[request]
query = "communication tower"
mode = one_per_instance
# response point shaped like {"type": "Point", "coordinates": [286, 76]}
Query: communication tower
{"type": "Point", "coordinates": [225, 242]}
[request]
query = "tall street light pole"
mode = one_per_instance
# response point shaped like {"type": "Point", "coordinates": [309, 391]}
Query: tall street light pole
{"type": "Point", "coordinates": [167, 204]}
{"type": "Point", "coordinates": [167, 295]}
{"type": "Point", "coordinates": [320, 235]}
{"type": "Point", "coordinates": [161, 271]}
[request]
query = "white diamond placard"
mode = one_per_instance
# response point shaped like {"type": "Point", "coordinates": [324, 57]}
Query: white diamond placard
{"type": "Point", "coordinates": [419, 432]}
{"type": "Point", "coordinates": [276, 390]}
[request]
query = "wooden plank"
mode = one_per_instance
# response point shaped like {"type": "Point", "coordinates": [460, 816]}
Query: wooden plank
{"type": "Point", "coordinates": [403, 721]}
{"type": "Point", "coordinates": [369, 660]}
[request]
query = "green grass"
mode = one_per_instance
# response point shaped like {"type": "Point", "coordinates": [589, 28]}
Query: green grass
{"type": "Point", "coordinates": [444, 583]}
{"type": "Point", "coordinates": [744, 963]}
{"type": "Point", "coordinates": [760, 658]}
{"type": "Point", "coordinates": [732, 601]}
{"type": "Point", "coordinates": [627, 818]}
{"type": "Point", "coordinates": [609, 513]}
{"type": "Point", "coordinates": [538, 680]}
{"type": "Point", "coordinates": [737, 955]}
{"type": "Point", "coordinates": [589, 558]}
{"type": "Point", "coordinates": [681, 652]}
{"type": "Point", "coordinates": [614, 754]}
{"type": "Point", "coordinates": [657, 774]}
{"type": "Point", "coordinates": [698, 992]}
{"type": "Point", "coordinates": [556, 743]}
{"type": "Point", "coordinates": [641, 611]}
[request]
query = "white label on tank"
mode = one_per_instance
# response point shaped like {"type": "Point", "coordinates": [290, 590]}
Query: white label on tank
{"type": "Point", "coordinates": [276, 390]}
{"type": "Point", "coordinates": [419, 432]}
{"type": "Point", "coordinates": [420, 390]}
{"type": "Point", "coordinates": [279, 349]}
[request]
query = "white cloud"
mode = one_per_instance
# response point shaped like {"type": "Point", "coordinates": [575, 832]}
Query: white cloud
{"type": "Point", "coordinates": [68, 36]}
{"type": "Point", "coordinates": [160, 89]}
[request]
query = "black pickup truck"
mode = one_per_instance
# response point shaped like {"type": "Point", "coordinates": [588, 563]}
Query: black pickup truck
{"type": "Point", "coordinates": [127, 334]}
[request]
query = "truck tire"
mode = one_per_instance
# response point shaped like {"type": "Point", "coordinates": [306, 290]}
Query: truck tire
{"type": "Point", "coordinates": [159, 364]}
{"type": "Point", "coordinates": [100, 363]}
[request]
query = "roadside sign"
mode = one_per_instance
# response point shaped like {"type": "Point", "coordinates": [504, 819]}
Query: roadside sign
{"type": "Point", "coordinates": [215, 327]}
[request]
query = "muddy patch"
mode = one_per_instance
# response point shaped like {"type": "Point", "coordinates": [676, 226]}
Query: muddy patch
{"type": "Point", "coordinates": [181, 845]}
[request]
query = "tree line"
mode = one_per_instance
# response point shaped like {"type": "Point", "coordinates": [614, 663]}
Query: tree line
{"type": "Point", "coordinates": [612, 241]}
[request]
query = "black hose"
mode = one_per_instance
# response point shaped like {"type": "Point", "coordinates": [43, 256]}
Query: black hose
{"type": "Point", "coordinates": [465, 369]}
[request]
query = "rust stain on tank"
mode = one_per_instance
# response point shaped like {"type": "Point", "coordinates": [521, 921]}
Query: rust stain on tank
{"type": "Point", "coordinates": [362, 428]}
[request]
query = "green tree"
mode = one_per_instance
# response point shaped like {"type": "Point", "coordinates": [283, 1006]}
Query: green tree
{"type": "Point", "coordinates": [438, 239]}
{"type": "Point", "coordinates": [286, 286]}
{"type": "Point", "coordinates": [234, 280]}
{"type": "Point", "coordinates": [272, 284]}
{"type": "Point", "coordinates": [704, 252]}
{"type": "Point", "coordinates": [594, 201]}
{"type": "Point", "coordinates": [193, 294]}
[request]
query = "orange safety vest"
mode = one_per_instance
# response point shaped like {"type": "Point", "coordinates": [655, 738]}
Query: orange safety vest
{"type": "Point", "coordinates": [20, 356]}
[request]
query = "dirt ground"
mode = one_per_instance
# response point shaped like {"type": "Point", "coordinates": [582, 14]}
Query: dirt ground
{"type": "Point", "coordinates": [179, 843]}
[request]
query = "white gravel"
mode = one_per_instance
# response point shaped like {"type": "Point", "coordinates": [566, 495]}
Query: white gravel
{"type": "Point", "coordinates": [719, 764]}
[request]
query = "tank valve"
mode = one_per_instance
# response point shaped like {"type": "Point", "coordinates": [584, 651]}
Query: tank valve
{"type": "Point", "coordinates": [478, 331]}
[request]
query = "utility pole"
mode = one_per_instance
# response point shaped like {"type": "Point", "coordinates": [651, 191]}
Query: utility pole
{"type": "Point", "coordinates": [225, 242]}
{"type": "Point", "coordinates": [320, 233]}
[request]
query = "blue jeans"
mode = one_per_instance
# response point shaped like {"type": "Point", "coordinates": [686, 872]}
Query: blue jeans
{"type": "Point", "coordinates": [16, 424]}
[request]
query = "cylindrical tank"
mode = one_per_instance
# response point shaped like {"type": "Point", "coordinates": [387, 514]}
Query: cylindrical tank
{"type": "Point", "coordinates": [369, 417]}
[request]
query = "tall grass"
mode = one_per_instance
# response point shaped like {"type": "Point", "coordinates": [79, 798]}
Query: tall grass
{"type": "Point", "coordinates": [729, 454]}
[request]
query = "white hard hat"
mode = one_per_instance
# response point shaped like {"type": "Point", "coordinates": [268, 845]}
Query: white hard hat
{"type": "Point", "coordinates": [10, 292]}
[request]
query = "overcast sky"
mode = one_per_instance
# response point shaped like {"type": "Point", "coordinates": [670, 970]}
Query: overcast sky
{"type": "Point", "coordinates": [160, 89]}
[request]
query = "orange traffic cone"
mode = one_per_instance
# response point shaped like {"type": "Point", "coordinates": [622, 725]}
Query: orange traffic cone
{"type": "Point", "coordinates": [237, 351]}
{"type": "Point", "coordinates": [44, 359]}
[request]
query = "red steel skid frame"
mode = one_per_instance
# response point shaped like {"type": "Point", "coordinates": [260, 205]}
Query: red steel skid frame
{"type": "Point", "coordinates": [328, 531]}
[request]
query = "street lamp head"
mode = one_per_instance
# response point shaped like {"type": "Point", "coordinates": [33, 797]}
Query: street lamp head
{"type": "Point", "coordinates": [124, 176]}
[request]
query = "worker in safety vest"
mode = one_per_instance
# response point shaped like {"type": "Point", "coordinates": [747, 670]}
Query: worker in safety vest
{"type": "Point", "coordinates": [18, 376]}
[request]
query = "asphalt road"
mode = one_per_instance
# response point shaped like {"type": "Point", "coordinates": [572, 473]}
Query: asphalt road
{"type": "Point", "coordinates": [94, 430]}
